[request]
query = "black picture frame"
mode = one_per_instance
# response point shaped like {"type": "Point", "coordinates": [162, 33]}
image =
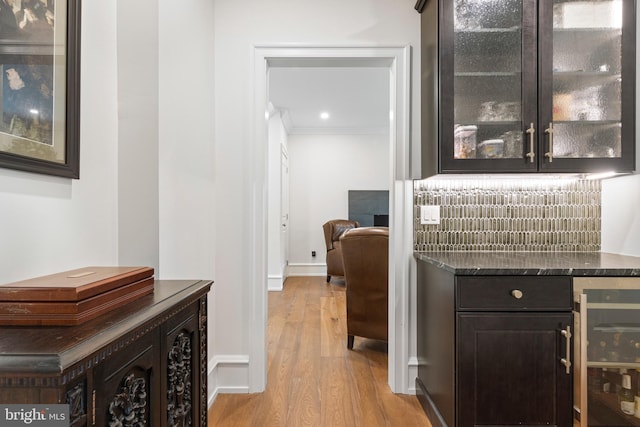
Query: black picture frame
{"type": "Point", "coordinates": [40, 89]}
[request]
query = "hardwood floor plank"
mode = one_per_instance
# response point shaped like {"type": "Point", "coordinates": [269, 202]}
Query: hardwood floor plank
{"type": "Point", "coordinates": [232, 409]}
{"type": "Point", "coordinates": [312, 378]}
{"type": "Point", "coordinates": [304, 392]}
{"type": "Point", "coordinates": [337, 409]}
{"type": "Point", "coordinates": [369, 402]}
{"type": "Point", "coordinates": [303, 407]}
{"type": "Point", "coordinates": [331, 337]}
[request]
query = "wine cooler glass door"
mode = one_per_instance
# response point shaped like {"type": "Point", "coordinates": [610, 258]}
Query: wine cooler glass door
{"type": "Point", "coordinates": [607, 351]}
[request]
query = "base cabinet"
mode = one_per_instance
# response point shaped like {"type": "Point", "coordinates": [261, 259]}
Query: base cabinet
{"type": "Point", "coordinates": [181, 380]}
{"type": "Point", "coordinates": [144, 365]}
{"type": "Point", "coordinates": [494, 350]}
{"type": "Point", "coordinates": [509, 373]}
{"type": "Point", "coordinates": [126, 387]}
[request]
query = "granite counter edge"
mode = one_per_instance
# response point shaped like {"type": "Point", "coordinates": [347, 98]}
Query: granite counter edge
{"type": "Point", "coordinates": [474, 270]}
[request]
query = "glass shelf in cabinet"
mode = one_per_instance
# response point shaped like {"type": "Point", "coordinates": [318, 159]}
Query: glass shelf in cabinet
{"type": "Point", "coordinates": [515, 29]}
{"type": "Point", "coordinates": [591, 30]}
{"type": "Point", "coordinates": [614, 365]}
{"type": "Point", "coordinates": [488, 74]}
{"type": "Point", "coordinates": [586, 74]}
{"type": "Point", "coordinates": [579, 123]}
{"type": "Point", "coordinates": [566, 81]}
{"type": "Point", "coordinates": [497, 122]}
{"type": "Point", "coordinates": [612, 306]}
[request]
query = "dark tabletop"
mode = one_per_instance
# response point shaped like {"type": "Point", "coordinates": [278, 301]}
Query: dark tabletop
{"type": "Point", "coordinates": [534, 263]}
{"type": "Point", "coordinates": [49, 349]}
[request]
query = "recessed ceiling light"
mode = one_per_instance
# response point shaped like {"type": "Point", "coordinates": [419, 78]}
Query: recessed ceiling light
{"type": "Point", "coordinates": [324, 115]}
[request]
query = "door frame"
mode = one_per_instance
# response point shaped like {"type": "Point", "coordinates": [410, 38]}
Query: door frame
{"type": "Point", "coordinates": [397, 60]}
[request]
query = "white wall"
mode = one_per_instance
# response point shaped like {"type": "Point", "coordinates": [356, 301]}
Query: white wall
{"type": "Point", "coordinates": [278, 142]}
{"type": "Point", "coordinates": [323, 169]}
{"type": "Point", "coordinates": [50, 224]}
{"type": "Point", "coordinates": [621, 215]}
{"type": "Point", "coordinates": [187, 154]}
{"type": "Point", "coordinates": [239, 26]}
{"type": "Point", "coordinates": [621, 200]}
{"type": "Point", "coordinates": [137, 71]}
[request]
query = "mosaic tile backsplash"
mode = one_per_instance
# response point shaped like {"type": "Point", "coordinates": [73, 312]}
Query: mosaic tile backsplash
{"type": "Point", "coordinates": [509, 215]}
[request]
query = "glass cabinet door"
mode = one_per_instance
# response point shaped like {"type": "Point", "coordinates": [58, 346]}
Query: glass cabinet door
{"type": "Point", "coordinates": [536, 85]}
{"type": "Point", "coordinates": [485, 83]}
{"type": "Point", "coordinates": [584, 82]}
{"type": "Point", "coordinates": [607, 391]}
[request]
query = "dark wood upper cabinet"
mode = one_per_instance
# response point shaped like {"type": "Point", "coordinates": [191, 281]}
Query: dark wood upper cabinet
{"type": "Point", "coordinates": [527, 86]}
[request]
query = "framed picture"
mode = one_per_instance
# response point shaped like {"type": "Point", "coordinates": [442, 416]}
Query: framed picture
{"type": "Point", "coordinates": [40, 90]}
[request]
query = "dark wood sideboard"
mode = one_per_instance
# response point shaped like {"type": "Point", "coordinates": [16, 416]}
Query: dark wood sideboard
{"type": "Point", "coordinates": [145, 361]}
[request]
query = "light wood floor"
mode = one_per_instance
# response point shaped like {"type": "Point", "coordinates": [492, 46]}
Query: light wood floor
{"type": "Point", "coordinates": [312, 379]}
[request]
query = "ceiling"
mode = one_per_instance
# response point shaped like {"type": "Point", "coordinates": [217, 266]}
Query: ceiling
{"type": "Point", "coordinates": [356, 98]}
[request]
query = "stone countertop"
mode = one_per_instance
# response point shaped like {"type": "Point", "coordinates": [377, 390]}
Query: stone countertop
{"type": "Point", "coordinates": [534, 263]}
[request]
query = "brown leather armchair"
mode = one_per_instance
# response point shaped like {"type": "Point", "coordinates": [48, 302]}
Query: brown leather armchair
{"type": "Point", "coordinates": [332, 231]}
{"type": "Point", "coordinates": [365, 252]}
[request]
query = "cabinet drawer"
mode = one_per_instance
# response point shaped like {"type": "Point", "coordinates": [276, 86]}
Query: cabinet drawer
{"type": "Point", "coordinates": [513, 293]}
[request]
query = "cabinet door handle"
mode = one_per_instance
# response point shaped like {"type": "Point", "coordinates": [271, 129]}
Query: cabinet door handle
{"type": "Point", "coordinates": [549, 131]}
{"type": "Point", "coordinates": [531, 154]}
{"type": "Point", "coordinates": [566, 361]}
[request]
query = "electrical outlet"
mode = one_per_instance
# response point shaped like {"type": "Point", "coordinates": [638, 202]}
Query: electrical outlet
{"type": "Point", "coordinates": [313, 253]}
{"type": "Point", "coordinates": [430, 214]}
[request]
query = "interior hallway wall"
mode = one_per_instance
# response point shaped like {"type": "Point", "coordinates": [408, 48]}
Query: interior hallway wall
{"type": "Point", "coordinates": [138, 227]}
{"type": "Point", "coordinates": [187, 188]}
{"type": "Point", "coordinates": [239, 27]}
{"type": "Point", "coordinates": [186, 153]}
{"type": "Point", "coordinates": [323, 170]}
{"type": "Point", "coordinates": [277, 240]}
{"type": "Point", "coordinates": [50, 224]}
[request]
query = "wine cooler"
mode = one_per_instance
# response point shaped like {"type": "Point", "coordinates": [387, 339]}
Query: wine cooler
{"type": "Point", "coordinates": [606, 358]}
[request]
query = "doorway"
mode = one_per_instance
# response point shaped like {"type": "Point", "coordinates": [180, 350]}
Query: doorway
{"type": "Point", "coordinates": [396, 60]}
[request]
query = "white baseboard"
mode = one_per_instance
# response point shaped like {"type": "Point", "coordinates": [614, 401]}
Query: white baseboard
{"type": "Point", "coordinates": [413, 374]}
{"type": "Point", "coordinates": [227, 374]}
{"type": "Point", "coordinates": [307, 269]}
{"type": "Point", "coordinates": [274, 283]}
{"type": "Point", "coordinates": [230, 374]}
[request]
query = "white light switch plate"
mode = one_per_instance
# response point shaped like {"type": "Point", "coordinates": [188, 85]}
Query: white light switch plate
{"type": "Point", "coordinates": [430, 214]}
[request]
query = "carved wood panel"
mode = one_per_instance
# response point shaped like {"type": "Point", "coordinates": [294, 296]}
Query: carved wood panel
{"type": "Point", "coordinates": [128, 408]}
{"type": "Point", "coordinates": [179, 381]}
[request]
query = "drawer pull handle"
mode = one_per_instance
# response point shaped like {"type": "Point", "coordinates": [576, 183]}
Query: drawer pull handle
{"type": "Point", "coordinates": [566, 361]}
{"type": "Point", "coordinates": [517, 293]}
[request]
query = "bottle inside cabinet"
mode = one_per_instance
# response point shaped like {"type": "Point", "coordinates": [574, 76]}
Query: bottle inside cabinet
{"type": "Point", "coordinates": [636, 401]}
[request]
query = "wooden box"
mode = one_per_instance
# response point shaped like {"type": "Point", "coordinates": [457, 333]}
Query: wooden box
{"type": "Point", "coordinates": [72, 297]}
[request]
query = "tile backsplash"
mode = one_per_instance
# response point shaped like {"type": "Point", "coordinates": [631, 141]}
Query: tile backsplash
{"type": "Point", "coordinates": [503, 214]}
